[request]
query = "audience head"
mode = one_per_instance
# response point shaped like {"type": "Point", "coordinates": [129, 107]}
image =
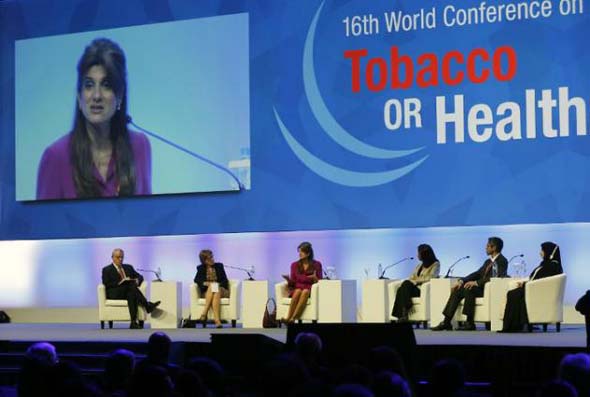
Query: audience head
{"type": "Point", "coordinates": [36, 374]}
{"type": "Point", "coordinates": [159, 348]}
{"type": "Point", "coordinates": [118, 369]}
{"type": "Point", "coordinates": [494, 246]}
{"type": "Point", "coordinates": [385, 358]}
{"type": "Point", "coordinates": [305, 251]}
{"type": "Point", "coordinates": [447, 377]}
{"type": "Point", "coordinates": [42, 353]}
{"type": "Point", "coordinates": [210, 372]}
{"type": "Point", "coordinates": [67, 381]}
{"type": "Point", "coordinates": [150, 380]}
{"type": "Point", "coordinates": [190, 384]}
{"type": "Point", "coordinates": [575, 369]}
{"type": "Point", "coordinates": [426, 255]}
{"type": "Point", "coordinates": [388, 384]}
{"type": "Point", "coordinates": [308, 345]}
{"type": "Point", "coordinates": [280, 372]}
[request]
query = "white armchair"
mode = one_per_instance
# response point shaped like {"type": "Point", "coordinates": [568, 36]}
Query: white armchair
{"type": "Point", "coordinates": [420, 313]}
{"type": "Point", "coordinates": [116, 309]}
{"type": "Point", "coordinates": [283, 301]}
{"type": "Point", "coordinates": [482, 309]}
{"type": "Point", "coordinates": [544, 301]}
{"type": "Point", "coordinates": [229, 306]}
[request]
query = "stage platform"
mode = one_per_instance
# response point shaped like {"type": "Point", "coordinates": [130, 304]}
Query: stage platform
{"type": "Point", "coordinates": [570, 336]}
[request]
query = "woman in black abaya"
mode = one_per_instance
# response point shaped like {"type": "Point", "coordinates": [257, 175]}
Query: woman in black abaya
{"type": "Point", "coordinates": [515, 314]}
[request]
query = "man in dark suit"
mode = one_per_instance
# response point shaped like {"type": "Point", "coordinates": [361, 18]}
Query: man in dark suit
{"type": "Point", "coordinates": [121, 282]}
{"type": "Point", "coordinates": [472, 286]}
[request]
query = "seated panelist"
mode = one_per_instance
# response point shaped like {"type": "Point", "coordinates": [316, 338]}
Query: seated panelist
{"type": "Point", "coordinates": [472, 286]}
{"type": "Point", "coordinates": [121, 281]}
{"type": "Point", "coordinates": [515, 312]}
{"type": "Point", "coordinates": [304, 273]}
{"type": "Point", "coordinates": [213, 284]}
{"type": "Point", "coordinates": [428, 267]}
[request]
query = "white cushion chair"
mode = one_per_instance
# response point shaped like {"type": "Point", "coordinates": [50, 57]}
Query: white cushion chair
{"type": "Point", "coordinates": [482, 309]}
{"type": "Point", "coordinates": [420, 313]}
{"type": "Point", "coordinates": [116, 309]}
{"type": "Point", "coordinates": [544, 301]}
{"type": "Point", "coordinates": [310, 312]}
{"type": "Point", "coordinates": [229, 306]}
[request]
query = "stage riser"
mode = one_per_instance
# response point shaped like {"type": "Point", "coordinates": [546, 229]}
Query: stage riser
{"type": "Point", "coordinates": [89, 315]}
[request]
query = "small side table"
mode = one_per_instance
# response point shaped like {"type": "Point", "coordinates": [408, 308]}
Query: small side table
{"type": "Point", "coordinates": [375, 303]}
{"type": "Point", "coordinates": [498, 291]}
{"type": "Point", "coordinates": [337, 302]}
{"type": "Point", "coordinates": [254, 297]}
{"type": "Point", "coordinates": [169, 313]}
{"type": "Point", "coordinates": [440, 290]}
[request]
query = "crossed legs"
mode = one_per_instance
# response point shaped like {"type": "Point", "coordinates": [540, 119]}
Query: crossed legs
{"type": "Point", "coordinates": [212, 300]}
{"type": "Point", "coordinates": [297, 306]}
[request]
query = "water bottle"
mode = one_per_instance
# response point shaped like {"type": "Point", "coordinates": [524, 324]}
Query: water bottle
{"type": "Point", "coordinates": [494, 269]}
{"type": "Point", "coordinates": [379, 271]}
{"type": "Point", "coordinates": [241, 168]}
{"type": "Point", "coordinates": [331, 272]}
{"type": "Point", "coordinates": [523, 268]}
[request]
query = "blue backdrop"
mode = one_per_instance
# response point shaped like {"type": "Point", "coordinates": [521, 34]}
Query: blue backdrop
{"type": "Point", "coordinates": [322, 155]}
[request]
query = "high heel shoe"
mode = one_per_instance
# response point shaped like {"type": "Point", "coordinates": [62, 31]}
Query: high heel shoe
{"type": "Point", "coordinates": [203, 321]}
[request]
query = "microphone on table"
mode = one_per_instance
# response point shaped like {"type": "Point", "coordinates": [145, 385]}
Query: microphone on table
{"type": "Point", "coordinates": [189, 152]}
{"type": "Point", "coordinates": [249, 271]}
{"type": "Point", "coordinates": [450, 271]}
{"type": "Point", "coordinates": [515, 256]}
{"type": "Point", "coordinates": [157, 273]}
{"type": "Point", "coordinates": [521, 266]}
{"type": "Point", "coordinates": [382, 275]}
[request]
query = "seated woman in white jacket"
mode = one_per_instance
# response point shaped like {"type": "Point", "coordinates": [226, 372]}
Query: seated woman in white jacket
{"type": "Point", "coordinates": [427, 268]}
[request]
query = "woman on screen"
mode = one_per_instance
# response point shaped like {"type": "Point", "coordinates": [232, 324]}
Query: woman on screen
{"type": "Point", "coordinates": [213, 285]}
{"type": "Point", "coordinates": [304, 273]}
{"type": "Point", "coordinates": [426, 269]}
{"type": "Point", "coordinates": [515, 314]}
{"type": "Point", "coordinates": [99, 157]}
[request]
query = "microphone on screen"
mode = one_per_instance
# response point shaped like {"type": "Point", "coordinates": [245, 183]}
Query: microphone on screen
{"type": "Point", "coordinates": [187, 151]}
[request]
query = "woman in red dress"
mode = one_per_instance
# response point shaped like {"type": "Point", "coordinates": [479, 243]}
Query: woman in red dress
{"type": "Point", "coordinates": [304, 273]}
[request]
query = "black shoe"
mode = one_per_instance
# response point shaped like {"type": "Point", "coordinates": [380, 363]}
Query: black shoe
{"type": "Point", "coordinates": [151, 306]}
{"type": "Point", "coordinates": [467, 326]}
{"type": "Point", "coordinates": [134, 325]}
{"type": "Point", "coordinates": [443, 326]}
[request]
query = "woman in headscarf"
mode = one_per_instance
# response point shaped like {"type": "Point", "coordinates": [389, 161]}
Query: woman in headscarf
{"type": "Point", "coordinates": [515, 314]}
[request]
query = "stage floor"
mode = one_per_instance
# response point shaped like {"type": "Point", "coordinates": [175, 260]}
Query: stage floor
{"type": "Point", "coordinates": [570, 336]}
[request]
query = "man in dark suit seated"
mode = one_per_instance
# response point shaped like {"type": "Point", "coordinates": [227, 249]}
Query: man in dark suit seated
{"type": "Point", "coordinates": [472, 286]}
{"type": "Point", "coordinates": [121, 282]}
